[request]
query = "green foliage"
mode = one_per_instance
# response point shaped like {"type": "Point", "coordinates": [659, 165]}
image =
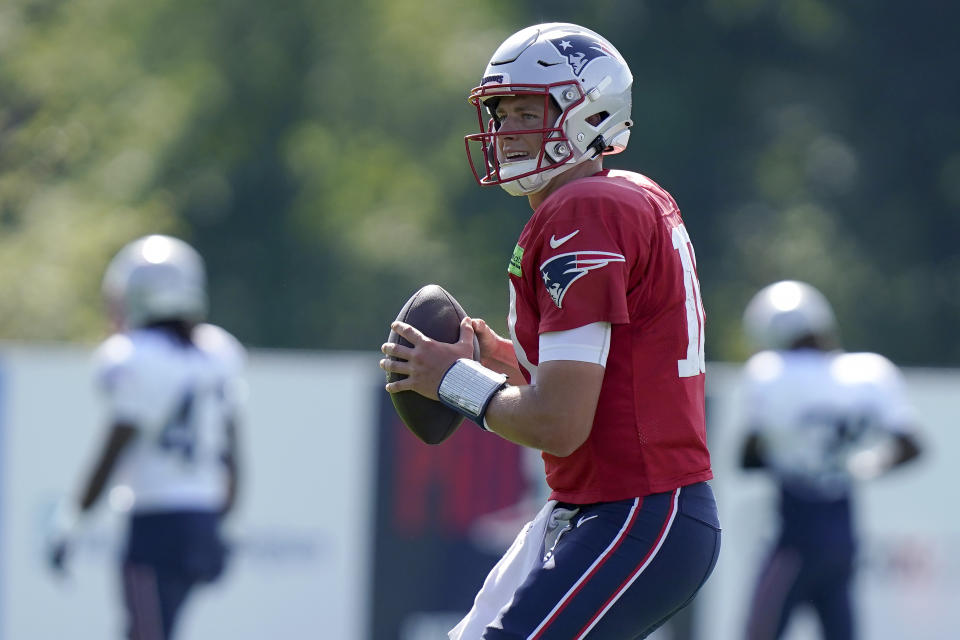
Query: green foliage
{"type": "Point", "coordinates": [313, 153]}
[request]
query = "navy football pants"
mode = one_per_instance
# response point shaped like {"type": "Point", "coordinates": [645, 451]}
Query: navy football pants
{"type": "Point", "coordinates": [167, 555]}
{"type": "Point", "coordinates": [790, 578]}
{"type": "Point", "coordinates": [619, 569]}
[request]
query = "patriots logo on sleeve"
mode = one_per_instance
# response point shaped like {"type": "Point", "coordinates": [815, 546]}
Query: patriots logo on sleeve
{"type": "Point", "coordinates": [559, 272]}
{"type": "Point", "coordinates": [580, 50]}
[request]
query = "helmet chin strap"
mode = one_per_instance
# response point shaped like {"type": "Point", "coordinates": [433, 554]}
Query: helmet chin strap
{"type": "Point", "coordinates": [526, 185]}
{"type": "Point", "coordinates": [536, 181]}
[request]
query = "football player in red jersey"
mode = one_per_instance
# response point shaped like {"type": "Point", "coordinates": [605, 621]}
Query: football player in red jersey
{"type": "Point", "coordinates": [604, 368]}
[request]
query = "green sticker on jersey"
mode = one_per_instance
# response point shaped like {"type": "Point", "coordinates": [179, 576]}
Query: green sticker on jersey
{"type": "Point", "coordinates": [515, 261]}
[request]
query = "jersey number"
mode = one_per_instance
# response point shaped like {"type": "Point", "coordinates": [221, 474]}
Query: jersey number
{"type": "Point", "coordinates": [695, 362]}
{"type": "Point", "coordinates": [179, 434]}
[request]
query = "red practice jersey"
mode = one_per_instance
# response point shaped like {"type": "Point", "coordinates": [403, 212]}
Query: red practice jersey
{"type": "Point", "coordinates": [613, 248]}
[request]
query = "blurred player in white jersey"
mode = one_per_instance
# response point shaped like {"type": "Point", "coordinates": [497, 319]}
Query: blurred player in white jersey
{"type": "Point", "coordinates": [819, 420]}
{"type": "Point", "coordinates": [173, 389]}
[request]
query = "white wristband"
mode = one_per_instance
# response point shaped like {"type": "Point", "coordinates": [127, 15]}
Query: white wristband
{"type": "Point", "coordinates": [467, 388]}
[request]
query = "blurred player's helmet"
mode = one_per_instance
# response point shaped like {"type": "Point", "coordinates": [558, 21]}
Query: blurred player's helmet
{"type": "Point", "coordinates": [155, 278]}
{"type": "Point", "coordinates": [784, 312]}
{"type": "Point", "coordinates": [583, 74]}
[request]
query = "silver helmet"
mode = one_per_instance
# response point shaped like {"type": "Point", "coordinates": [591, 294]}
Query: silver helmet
{"type": "Point", "coordinates": [586, 78]}
{"type": "Point", "coordinates": [155, 278]}
{"type": "Point", "coordinates": [786, 311]}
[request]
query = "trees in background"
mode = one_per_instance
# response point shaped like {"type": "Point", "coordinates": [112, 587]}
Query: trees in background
{"type": "Point", "coordinates": [314, 155]}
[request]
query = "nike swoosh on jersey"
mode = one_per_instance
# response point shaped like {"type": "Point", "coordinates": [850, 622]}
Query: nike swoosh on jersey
{"type": "Point", "coordinates": [556, 242]}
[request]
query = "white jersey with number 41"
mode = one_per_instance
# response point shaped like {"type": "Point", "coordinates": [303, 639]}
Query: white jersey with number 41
{"type": "Point", "coordinates": [181, 398]}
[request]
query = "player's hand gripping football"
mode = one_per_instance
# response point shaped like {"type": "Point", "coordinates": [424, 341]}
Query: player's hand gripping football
{"type": "Point", "coordinates": [426, 361]}
{"type": "Point", "coordinates": [496, 353]}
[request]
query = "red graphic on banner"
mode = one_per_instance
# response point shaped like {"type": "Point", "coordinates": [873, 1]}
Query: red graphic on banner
{"type": "Point", "coordinates": [446, 487]}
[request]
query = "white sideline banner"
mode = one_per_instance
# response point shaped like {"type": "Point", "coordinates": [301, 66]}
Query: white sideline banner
{"type": "Point", "coordinates": [301, 529]}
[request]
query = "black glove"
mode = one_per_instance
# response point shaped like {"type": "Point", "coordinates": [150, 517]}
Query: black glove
{"type": "Point", "coordinates": [60, 534]}
{"type": "Point", "coordinates": [57, 555]}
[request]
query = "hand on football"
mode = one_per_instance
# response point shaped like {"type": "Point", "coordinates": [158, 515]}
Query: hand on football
{"type": "Point", "coordinates": [426, 361]}
{"type": "Point", "coordinates": [488, 339]}
{"type": "Point", "coordinates": [496, 353]}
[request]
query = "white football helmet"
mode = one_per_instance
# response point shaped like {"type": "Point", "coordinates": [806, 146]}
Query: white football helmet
{"type": "Point", "coordinates": [783, 312]}
{"type": "Point", "coordinates": [585, 76]}
{"type": "Point", "coordinates": [155, 278]}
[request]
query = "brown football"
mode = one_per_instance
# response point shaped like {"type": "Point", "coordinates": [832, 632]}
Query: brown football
{"type": "Point", "coordinates": [437, 314]}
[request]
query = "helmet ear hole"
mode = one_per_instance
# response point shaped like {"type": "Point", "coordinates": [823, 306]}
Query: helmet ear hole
{"type": "Point", "coordinates": [597, 118]}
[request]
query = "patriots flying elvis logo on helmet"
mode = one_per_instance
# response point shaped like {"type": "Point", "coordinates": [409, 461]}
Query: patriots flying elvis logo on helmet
{"type": "Point", "coordinates": [559, 272]}
{"type": "Point", "coordinates": [580, 50]}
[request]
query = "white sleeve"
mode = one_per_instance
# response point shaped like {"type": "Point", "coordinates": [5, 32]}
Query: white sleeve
{"type": "Point", "coordinates": [120, 378]}
{"type": "Point", "coordinates": [897, 413]}
{"type": "Point", "coordinates": [880, 386]}
{"type": "Point", "coordinates": [231, 355]}
{"type": "Point", "coordinates": [760, 373]}
{"type": "Point", "coordinates": [589, 343]}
